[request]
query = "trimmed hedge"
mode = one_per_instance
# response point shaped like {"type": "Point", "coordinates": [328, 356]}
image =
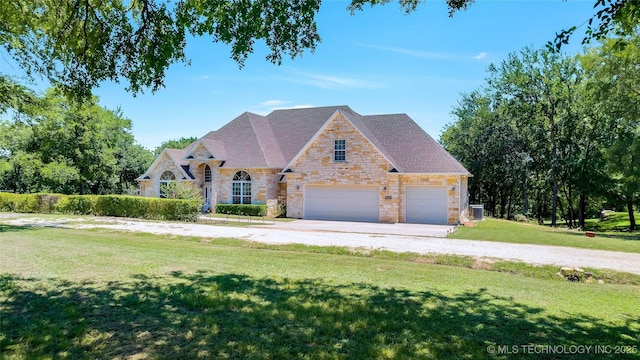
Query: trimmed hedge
{"type": "Point", "coordinates": [29, 203]}
{"type": "Point", "coordinates": [102, 205]}
{"type": "Point", "coordinates": [77, 204]}
{"type": "Point", "coordinates": [242, 209]}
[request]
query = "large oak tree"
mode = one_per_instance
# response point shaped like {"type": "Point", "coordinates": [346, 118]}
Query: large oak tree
{"type": "Point", "coordinates": [77, 44]}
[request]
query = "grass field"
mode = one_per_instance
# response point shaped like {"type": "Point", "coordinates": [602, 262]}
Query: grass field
{"type": "Point", "coordinates": [528, 233]}
{"type": "Point", "coordinates": [82, 294]}
{"type": "Point", "coordinates": [613, 221]}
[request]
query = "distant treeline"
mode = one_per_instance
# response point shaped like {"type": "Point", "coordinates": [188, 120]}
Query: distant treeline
{"type": "Point", "coordinates": [552, 136]}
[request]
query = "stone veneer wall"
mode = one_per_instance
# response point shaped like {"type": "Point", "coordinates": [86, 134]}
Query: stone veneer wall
{"type": "Point", "coordinates": [364, 165]}
{"type": "Point", "coordinates": [151, 187]}
{"type": "Point", "coordinates": [464, 196]}
{"type": "Point", "coordinates": [264, 184]}
{"type": "Point", "coordinates": [451, 182]}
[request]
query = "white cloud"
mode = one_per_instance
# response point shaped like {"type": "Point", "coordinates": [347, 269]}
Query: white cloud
{"type": "Point", "coordinates": [332, 82]}
{"type": "Point", "coordinates": [425, 54]}
{"type": "Point", "coordinates": [272, 103]}
{"type": "Point", "coordinates": [415, 53]}
{"type": "Point", "coordinates": [302, 106]}
{"type": "Point", "coordinates": [201, 77]}
{"type": "Point", "coordinates": [267, 106]}
{"type": "Point", "coordinates": [480, 56]}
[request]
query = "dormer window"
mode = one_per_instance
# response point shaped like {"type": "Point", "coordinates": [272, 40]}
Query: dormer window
{"type": "Point", "coordinates": [340, 151]}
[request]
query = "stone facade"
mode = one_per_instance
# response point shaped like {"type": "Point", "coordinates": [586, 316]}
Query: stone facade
{"type": "Point", "coordinates": [453, 183]}
{"type": "Point", "coordinates": [151, 187]}
{"type": "Point", "coordinates": [364, 165]}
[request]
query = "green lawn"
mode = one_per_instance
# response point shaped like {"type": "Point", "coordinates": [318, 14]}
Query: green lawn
{"type": "Point", "coordinates": [528, 233]}
{"type": "Point", "coordinates": [614, 221]}
{"type": "Point", "coordinates": [97, 294]}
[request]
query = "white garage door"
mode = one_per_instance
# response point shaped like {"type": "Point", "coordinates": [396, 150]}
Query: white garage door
{"type": "Point", "coordinates": [355, 203]}
{"type": "Point", "coordinates": [427, 204]}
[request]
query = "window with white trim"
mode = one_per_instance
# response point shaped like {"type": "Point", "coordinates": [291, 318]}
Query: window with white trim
{"type": "Point", "coordinates": [167, 178]}
{"type": "Point", "coordinates": [340, 151]}
{"type": "Point", "coordinates": [241, 188]}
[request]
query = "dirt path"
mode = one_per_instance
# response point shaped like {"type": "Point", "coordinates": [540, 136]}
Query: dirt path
{"type": "Point", "coordinates": [533, 254]}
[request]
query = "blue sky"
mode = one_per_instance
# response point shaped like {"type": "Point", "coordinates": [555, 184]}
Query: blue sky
{"type": "Point", "coordinates": [376, 61]}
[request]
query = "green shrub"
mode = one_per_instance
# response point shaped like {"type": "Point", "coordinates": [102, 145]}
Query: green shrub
{"type": "Point", "coordinates": [521, 218]}
{"type": "Point", "coordinates": [7, 201]}
{"type": "Point", "coordinates": [76, 204]}
{"type": "Point", "coordinates": [182, 210]}
{"type": "Point", "coordinates": [29, 203]}
{"type": "Point", "coordinates": [26, 203]}
{"type": "Point", "coordinates": [121, 206]}
{"type": "Point", "coordinates": [103, 205]}
{"type": "Point", "coordinates": [242, 209]}
{"type": "Point", "coordinates": [47, 202]}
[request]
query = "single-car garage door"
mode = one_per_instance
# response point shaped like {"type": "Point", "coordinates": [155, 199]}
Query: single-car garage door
{"type": "Point", "coordinates": [354, 203]}
{"type": "Point", "coordinates": [427, 204]}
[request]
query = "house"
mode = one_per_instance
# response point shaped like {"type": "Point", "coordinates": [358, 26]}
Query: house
{"type": "Point", "coordinates": [325, 163]}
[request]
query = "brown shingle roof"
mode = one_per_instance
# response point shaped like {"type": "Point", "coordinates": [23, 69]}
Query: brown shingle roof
{"type": "Point", "coordinates": [177, 156]}
{"type": "Point", "coordinates": [272, 141]}
{"type": "Point", "coordinates": [410, 147]}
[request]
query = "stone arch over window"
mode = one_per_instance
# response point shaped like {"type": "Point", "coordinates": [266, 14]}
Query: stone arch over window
{"type": "Point", "coordinates": [207, 173]}
{"type": "Point", "coordinates": [241, 188]}
{"type": "Point", "coordinates": [166, 179]}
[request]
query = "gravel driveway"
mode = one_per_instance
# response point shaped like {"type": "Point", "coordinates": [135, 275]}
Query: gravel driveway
{"type": "Point", "coordinates": [533, 254]}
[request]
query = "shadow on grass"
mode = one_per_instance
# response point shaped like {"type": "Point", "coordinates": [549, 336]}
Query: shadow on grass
{"type": "Point", "coordinates": [633, 236]}
{"type": "Point", "coordinates": [235, 316]}
{"type": "Point", "coordinates": [12, 228]}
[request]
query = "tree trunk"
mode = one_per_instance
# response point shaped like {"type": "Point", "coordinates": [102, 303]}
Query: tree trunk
{"type": "Point", "coordinates": [503, 205]}
{"type": "Point", "coordinates": [570, 210]}
{"type": "Point", "coordinates": [582, 210]}
{"type": "Point", "coordinates": [632, 218]}
{"type": "Point", "coordinates": [510, 205]}
{"type": "Point", "coordinates": [563, 213]}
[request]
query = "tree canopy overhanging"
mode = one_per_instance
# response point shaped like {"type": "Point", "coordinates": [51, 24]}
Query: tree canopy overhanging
{"type": "Point", "coordinates": [77, 44]}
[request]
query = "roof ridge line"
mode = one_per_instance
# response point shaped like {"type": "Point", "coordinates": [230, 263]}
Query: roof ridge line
{"type": "Point", "coordinates": [259, 140]}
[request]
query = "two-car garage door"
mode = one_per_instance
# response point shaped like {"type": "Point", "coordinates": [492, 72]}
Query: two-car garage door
{"type": "Point", "coordinates": [424, 204]}
{"type": "Point", "coordinates": [354, 203]}
{"type": "Point", "coordinates": [427, 204]}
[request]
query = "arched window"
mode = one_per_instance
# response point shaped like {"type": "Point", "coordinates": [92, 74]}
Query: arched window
{"type": "Point", "coordinates": [241, 190]}
{"type": "Point", "coordinates": [166, 179]}
{"type": "Point", "coordinates": [207, 173]}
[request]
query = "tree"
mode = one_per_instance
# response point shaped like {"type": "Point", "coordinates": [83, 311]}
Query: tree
{"type": "Point", "coordinates": [182, 190]}
{"type": "Point", "coordinates": [614, 84]}
{"type": "Point", "coordinates": [77, 44]}
{"type": "Point", "coordinates": [68, 147]}
{"type": "Point", "coordinates": [541, 87]}
{"type": "Point", "coordinates": [180, 143]}
{"type": "Point", "coordinates": [490, 146]}
{"type": "Point", "coordinates": [621, 17]}
{"type": "Point", "coordinates": [534, 127]}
